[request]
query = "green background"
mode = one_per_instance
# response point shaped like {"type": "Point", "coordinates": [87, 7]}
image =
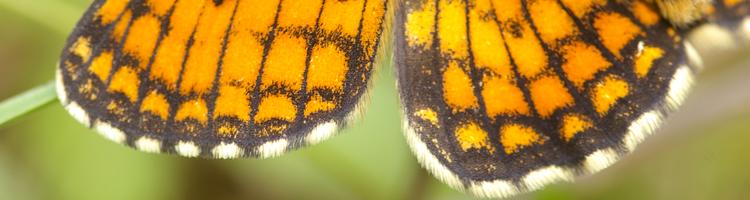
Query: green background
{"type": "Point", "coordinates": [703, 151]}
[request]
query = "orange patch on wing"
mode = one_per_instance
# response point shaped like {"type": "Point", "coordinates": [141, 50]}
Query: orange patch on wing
{"type": "Point", "coordinates": [615, 31]}
{"type": "Point", "coordinates": [241, 60]}
{"type": "Point", "coordinates": [732, 3]}
{"type": "Point", "coordinates": [582, 62]}
{"type": "Point", "coordinates": [276, 107]}
{"type": "Point", "coordinates": [115, 108]}
{"type": "Point", "coordinates": [102, 65]}
{"type": "Point", "coordinates": [171, 52]}
{"type": "Point", "coordinates": [420, 24]}
{"type": "Point", "coordinates": [141, 38]}
{"type": "Point", "coordinates": [126, 81]}
{"type": "Point", "coordinates": [88, 90]}
{"type": "Point", "coordinates": [328, 68]}
{"type": "Point", "coordinates": [194, 109]}
{"type": "Point", "coordinates": [342, 16]}
{"type": "Point", "coordinates": [227, 129]}
{"type": "Point", "coordinates": [110, 10]}
{"type": "Point", "coordinates": [526, 51]}
{"type": "Point", "coordinates": [160, 7]}
{"type": "Point", "coordinates": [371, 23]}
{"type": "Point", "coordinates": [580, 8]}
{"type": "Point", "coordinates": [203, 59]}
{"type": "Point", "coordinates": [487, 43]}
{"type": "Point", "coordinates": [233, 102]}
{"type": "Point", "coordinates": [285, 63]}
{"type": "Point", "coordinates": [502, 97]}
{"type": "Point", "coordinates": [507, 9]}
{"type": "Point", "coordinates": [244, 50]}
{"type": "Point", "coordinates": [644, 13]}
{"type": "Point", "coordinates": [82, 48]}
{"type": "Point", "coordinates": [317, 104]}
{"type": "Point", "coordinates": [515, 136]}
{"type": "Point", "coordinates": [551, 21]}
{"type": "Point", "coordinates": [573, 124]}
{"type": "Point", "coordinates": [71, 69]}
{"type": "Point", "coordinates": [549, 94]}
{"type": "Point", "coordinates": [157, 104]}
{"type": "Point", "coordinates": [452, 29]}
{"type": "Point", "coordinates": [299, 13]}
{"type": "Point", "coordinates": [471, 136]}
{"type": "Point", "coordinates": [458, 90]}
{"type": "Point", "coordinates": [261, 19]}
{"type": "Point", "coordinates": [645, 60]}
{"type": "Point", "coordinates": [607, 92]}
{"type": "Point", "coordinates": [121, 25]}
{"type": "Point", "coordinates": [429, 115]}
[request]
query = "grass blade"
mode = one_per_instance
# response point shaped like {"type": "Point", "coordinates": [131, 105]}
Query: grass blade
{"type": "Point", "coordinates": [25, 102]}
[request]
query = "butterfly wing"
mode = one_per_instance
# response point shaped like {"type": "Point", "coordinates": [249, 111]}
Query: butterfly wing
{"type": "Point", "coordinates": [221, 79]}
{"type": "Point", "coordinates": [727, 25]}
{"type": "Point", "coordinates": [506, 96]}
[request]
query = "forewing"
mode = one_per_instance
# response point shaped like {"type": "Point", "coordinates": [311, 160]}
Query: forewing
{"type": "Point", "coordinates": [226, 78]}
{"type": "Point", "coordinates": [506, 96]}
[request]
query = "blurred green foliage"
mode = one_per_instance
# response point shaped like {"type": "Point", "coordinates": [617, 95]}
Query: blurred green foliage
{"type": "Point", "coordinates": [47, 155]}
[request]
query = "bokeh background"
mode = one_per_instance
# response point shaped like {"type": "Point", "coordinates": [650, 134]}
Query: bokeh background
{"type": "Point", "coordinates": [702, 152]}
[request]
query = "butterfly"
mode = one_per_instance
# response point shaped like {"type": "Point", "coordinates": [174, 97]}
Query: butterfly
{"type": "Point", "coordinates": [498, 97]}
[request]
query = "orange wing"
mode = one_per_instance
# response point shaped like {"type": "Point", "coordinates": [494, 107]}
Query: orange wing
{"type": "Point", "coordinates": [220, 79]}
{"type": "Point", "coordinates": [506, 96]}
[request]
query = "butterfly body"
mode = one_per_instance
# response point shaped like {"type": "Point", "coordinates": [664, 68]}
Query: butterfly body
{"type": "Point", "coordinates": [498, 97]}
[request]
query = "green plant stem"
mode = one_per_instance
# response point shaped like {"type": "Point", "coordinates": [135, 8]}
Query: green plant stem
{"type": "Point", "coordinates": [25, 102]}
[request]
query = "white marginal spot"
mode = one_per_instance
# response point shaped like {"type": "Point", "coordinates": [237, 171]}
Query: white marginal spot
{"type": "Point", "coordinates": [109, 132]}
{"type": "Point", "coordinates": [78, 113]}
{"type": "Point", "coordinates": [187, 149]}
{"type": "Point", "coordinates": [679, 87]}
{"type": "Point", "coordinates": [493, 189]}
{"type": "Point", "coordinates": [693, 57]}
{"type": "Point", "coordinates": [600, 160]}
{"type": "Point", "coordinates": [60, 87]}
{"type": "Point", "coordinates": [321, 132]}
{"type": "Point", "coordinates": [644, 126]}
{"type": "Point", "coordinates": [711, 37]}
{"type": "Point", "coordinates": [541, 177]}
{"type": "Point", "coordinates": [647, 123]}
{"type": "Point", "coordinates": [273, 148]}
{"type": "Point", "coordinates": [429, 161]}
{"type": "Point", "coordinates": [745, 29]}
{"type": "Point", "coordinates": [148, 144]}
{"type": "Point", "coordinates": [227, 150]}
